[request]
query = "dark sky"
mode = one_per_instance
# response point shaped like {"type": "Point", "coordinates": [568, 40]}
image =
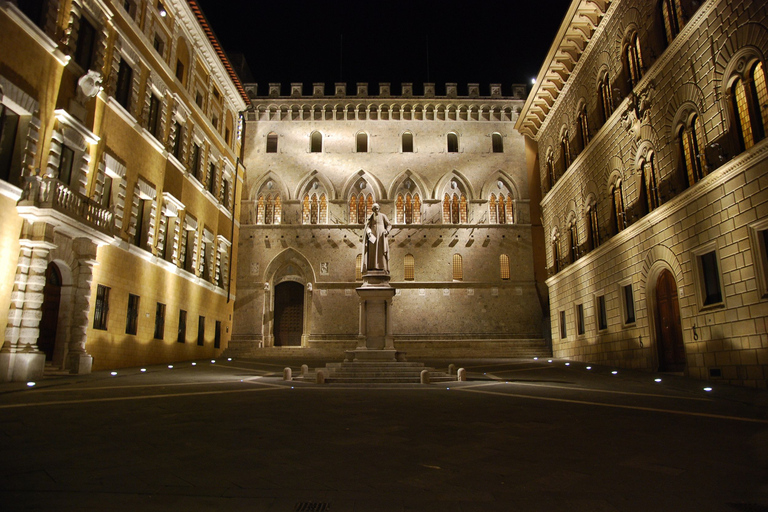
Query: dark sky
{"type": "Point", "coordinates": [395, 41]}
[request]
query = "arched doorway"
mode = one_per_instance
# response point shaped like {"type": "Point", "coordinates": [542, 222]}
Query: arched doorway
{"type": "Point", "coordinates": [669, 331]}
{"type": "Point", "coordinates": [289, 314]}
{"type": "Point", "coordinates": [49, 323]}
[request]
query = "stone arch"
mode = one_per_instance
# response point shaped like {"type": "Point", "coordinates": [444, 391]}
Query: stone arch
{"type": "Point", "coordinates": [257, 185]}
{"type": "Point", "coordinates": [602, 63]}
{"type": "Point", "coordinates": [630, 23]}
{"type": "Point", "coordinates": [688, 94]}
{"type": "Point", "coordinates": [750, 37]}
{"type": "Point", "coordinates": [443, 182]}
{"type": "Point", "coordinates": [590, 190]}
{"type": "Point", "coordinates": [289, 265]}
{"type": "Point", "coordinates": [647, 140]}
{"type": "Point", "coordinates": [509, 181]}
{"type": "Point", "coordinates": [378, 188]}
{"type": "Point", "coordinates": [658, 259]}
{"type": "Point", "coordinates": [301, 188]}
{"type": "Point", "coordinates": [614, 171]}
{"type": "Point", "coordinates": [421, 185]}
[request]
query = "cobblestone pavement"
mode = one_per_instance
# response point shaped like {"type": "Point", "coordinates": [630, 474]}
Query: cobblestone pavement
{"type": "Point", "coordinates": [519, 435]}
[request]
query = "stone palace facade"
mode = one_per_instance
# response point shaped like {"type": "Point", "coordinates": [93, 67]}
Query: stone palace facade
{"type": "Point", "coordinates": [648, 126]}
{"type": "Point", "coordinates": [450, 173]}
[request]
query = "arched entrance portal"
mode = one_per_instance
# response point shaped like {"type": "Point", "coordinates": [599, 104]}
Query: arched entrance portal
{"type": "Point", "coordinates": [669, 331]}
{"type": "Point", "coordinates": [289, 314]}
{"type": "Point", "coordinates": [49, 323]}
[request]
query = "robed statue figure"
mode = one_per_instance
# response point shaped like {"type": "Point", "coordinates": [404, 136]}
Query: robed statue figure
{"type": "Point", "coordinates": [375, 243]}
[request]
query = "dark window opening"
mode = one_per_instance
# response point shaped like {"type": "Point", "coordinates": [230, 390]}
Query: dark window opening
{"type": "Point", "coordinates": [86, 42]}
{"type": "Point", "coordinates": [160, 321]}
{"type": "Point", "coordinates": [124, 84]}
{"type": "Point", "coordinates": [407, 142]}
{"type": "Point", "coordinates": [453, 143]}
{"type": "Point", "coordinates": [201, 331]}
{"type": "Point", "coordinates": [132, 317]}
{"type": "Point", "coordinates": [272, 143]}
{"type": "Point", "coordinates": [181, 334]}
{"type": "Point", "coordinates": [101, 308]}
{"type": "Point", "coordinates": [711, 278]}
{"type": "Point", "coordinates": [563, 328]}
{"type": "Point", "coordinates": [580, 319]}
{"type": "Point", "coordinates": [66, 164]}
{"type": "Point", "coordinates": [153, 120]}
{"type": "Point", "coordinates": [629, 305]}
{"type": "Point", "coordinates": [217, 335]}
{"type": "Point", "coordinates": [497, 143]}
{"type": "Point", "coordinates": [602, 314]}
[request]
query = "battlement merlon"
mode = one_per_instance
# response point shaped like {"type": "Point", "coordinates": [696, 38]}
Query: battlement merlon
{"type": "Point", "coordinates": [340, 90]}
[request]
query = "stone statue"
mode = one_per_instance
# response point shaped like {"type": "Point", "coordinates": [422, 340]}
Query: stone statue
{"type": "Point", "coordinates": [375, 243]}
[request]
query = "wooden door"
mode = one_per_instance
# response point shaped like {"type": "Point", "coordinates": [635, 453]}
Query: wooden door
{"type": "Point", "coordinates": [669, 332]}
{"type": "Point", "coordinates": [46, 340]}
{"type": "Point", "coordinates": [289, 314]}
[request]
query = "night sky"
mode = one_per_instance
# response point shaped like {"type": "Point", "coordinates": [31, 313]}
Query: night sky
{"type": "Point", "coordinates": [395, 41]}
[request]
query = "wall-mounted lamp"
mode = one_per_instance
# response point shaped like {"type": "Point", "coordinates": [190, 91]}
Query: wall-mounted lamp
{"type": "Point", "coordinates": [161, 10]}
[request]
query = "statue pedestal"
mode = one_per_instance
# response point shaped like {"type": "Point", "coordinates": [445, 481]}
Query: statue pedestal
{"type": "Point", "coordinates": [374, 339]}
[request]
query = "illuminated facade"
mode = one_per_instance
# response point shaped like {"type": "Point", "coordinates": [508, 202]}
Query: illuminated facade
{"type": "Point", "coordinates": [119, 187]}
{"type": "Point", "coordinates": [449, 172]}
{"type": "Point", "coordinates": [647, 126]}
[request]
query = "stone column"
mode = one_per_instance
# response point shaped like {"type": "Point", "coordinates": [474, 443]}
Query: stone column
{"type": "Point", "coordinates": [78, 360]}
{"type": "Point", "coordinates": [20, 359]}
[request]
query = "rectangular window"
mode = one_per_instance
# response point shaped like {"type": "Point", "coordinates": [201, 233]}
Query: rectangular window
{"type": "Point", "coordinates": [201, 331]}
{"type": "Point", "coordinates": [180, 71]}
{"type": "Point", "coordinates": [106, 191]}
{"type": "Point", "coordinates": [167, 252]}
{"type": "Point", "coordinates": [629, 304]}
{"type": "Point", "coordinates": [199, 99]}
{"type": "Point", "coordinates": [211, 178]}
{"type": "Point", "coordinates": [189, 253]}
{"type": "Point", "coordinates": [758, 236]}
{"type": "Point", "coordinates": [66, 164]}
{"type": "Point", "coordinates": [158, 44]}
{"type": "Point", "coordinates": [9, 125]}
{"type": "Point", "coordinates": [153, 120]}
{"type": "Point", "coordinates": [225, 194]}
{"type": "Point", "coordinates": [710, 279]}
{"type": "Point", "coordinates": [602, 314]}
{"type": "Point", "coordinates": [181, 334]}
{"type": "Point", "coordinates": [142, 223]}
{"type": "Point", "coordinates": [102, 308]}
{"type": "Point", "coordinates": [217, 335]}
{"type": "Point", "coordinates": [132, 318]}
{"type": "Point", "coordinates": [160, 321]}
{"type": "Point", "coordinates": [194, 163]}
{"type": "Point", "coordinates": [580, 319]}
{"type": "Point", "coordinates": [86, 41]}
{"type": "Point", "coordinates": [124, 84]}
{"type": "Point", "coordinates": [179, 130]}
{"type": "Point", "coordinates": [563, 328]}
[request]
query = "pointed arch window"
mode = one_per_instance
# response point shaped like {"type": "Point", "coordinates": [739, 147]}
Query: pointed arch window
{"type": "Point", "coordinates": [314, 209]}
{"type": "Point", "coordinates": [606, 97]}
{"type": "Point", "coordinates": [565, 149]}
{"type": "Point", "coordinates": [551, 170]}
{"type": "Point", "coordinates": [692, 144]}
{"type": "Point", "coordinates": [650, 187]}
{"type": "Point", "coordinates": [556, 253]}
{"type": "Point", "coordinates": [407, 142]}
{"type": "Point", "coordinates": [501, 209]}
{"type": "Point", "coordinates": [408, 267]}
{"type": "Point", "coordinates": [583, 127]}
{"type": "Point", "coordinates": [455, 208]}
{"type": "Point", "coordinates": [573, 246]}
{"type": "Point", "coordinates": [632, 59]}
{"type": "Point", "coordinates": [269, 209]}
{"type": "Point", "coordinates": [497, 143]}
{"type": "Point", "coordinates": [593, 228]}
{"type": "Point", "coordinates": [316, 142]}
{"type": "Point", "coordinates": [504, 267]}
{"type": "Point", "coordinates": [458, 268]}
{"type": "Point", "coordinates": [672, 14]}
{"type": "Point", "coordinates": [617, 207]}
{"type": "Point", "coordinates": [453, 142]}
{"type": "Point", "coordinates": [272, 143]}
{"type": "Point", "coordinates": [360, 206]}
{"type": "Point", "coordinates": [362, 142]}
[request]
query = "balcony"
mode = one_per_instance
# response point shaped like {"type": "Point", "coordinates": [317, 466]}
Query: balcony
{"type": "Point", "coordinates": [50, 200]}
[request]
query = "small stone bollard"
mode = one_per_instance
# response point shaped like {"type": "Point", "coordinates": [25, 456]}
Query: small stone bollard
{"type": "Point", "coordinates": [304, 370]}
{"type": "Point", "coordinates": [425, 376]}
{"type": "Point", "coordinates": [451, 369]}
{"type": "Point", "coordinates": [287, 374]}
{"type": "Point", "coordinates": [462, 373]}
{"type": "Point", "coordinates": [320, 377]}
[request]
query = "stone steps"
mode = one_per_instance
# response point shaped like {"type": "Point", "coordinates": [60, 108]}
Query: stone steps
{"type": "Point", "coordinates": [377, 372]}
